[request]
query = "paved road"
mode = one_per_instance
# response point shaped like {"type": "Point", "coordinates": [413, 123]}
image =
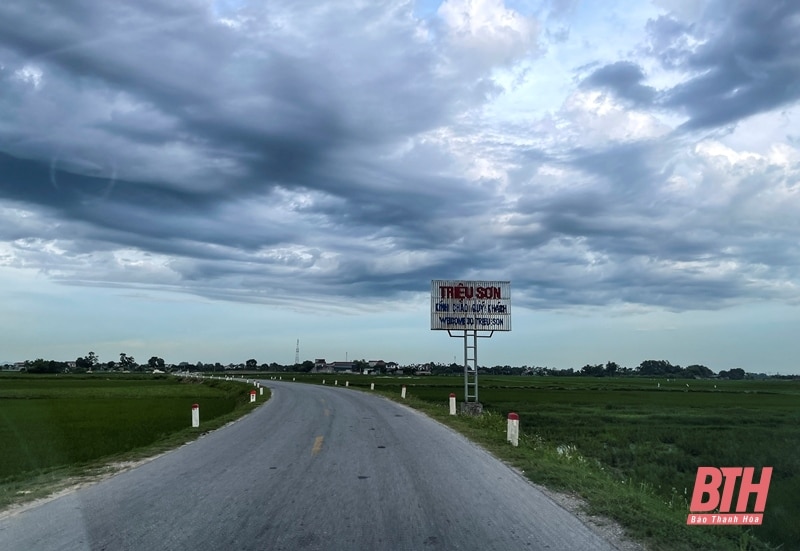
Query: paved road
{"type": "Point", "coordinates": [316, 468]}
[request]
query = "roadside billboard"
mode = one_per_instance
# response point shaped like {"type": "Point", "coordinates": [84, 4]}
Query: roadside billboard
{"type": "Point", "coordinates": [470, 305]}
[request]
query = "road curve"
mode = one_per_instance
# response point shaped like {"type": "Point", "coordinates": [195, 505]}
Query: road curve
{"type": "Point", "coordinates": [316, 468]}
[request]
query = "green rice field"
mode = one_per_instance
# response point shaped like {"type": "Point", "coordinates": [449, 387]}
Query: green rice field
{"type": "Point", "coordinates": [50, 422]}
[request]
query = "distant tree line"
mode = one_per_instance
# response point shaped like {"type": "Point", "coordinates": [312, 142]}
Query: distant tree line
{"type": "Point", "coordinates": [648, 368]}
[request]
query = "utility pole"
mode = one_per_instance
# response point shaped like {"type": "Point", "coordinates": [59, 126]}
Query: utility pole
{"type": "Point", "coordinates": [297, 353]}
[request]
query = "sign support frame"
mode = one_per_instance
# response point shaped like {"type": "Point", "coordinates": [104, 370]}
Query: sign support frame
{"type": "Point", "coordinates": [471, 361]}
{"type": "Point", "coordinates": [470, 310]}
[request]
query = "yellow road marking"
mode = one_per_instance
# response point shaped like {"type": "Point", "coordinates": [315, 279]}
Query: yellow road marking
{"type": "Point", "coordinates": [327, 412]}
{"type": "Point", "coordinates": [317, 445]}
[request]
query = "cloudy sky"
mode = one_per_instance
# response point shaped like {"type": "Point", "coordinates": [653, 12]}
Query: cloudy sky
{"type": "Point", "coordinates": [210, 180]}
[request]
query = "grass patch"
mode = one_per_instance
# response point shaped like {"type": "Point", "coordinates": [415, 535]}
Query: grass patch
{"type": "Point", "coordinates": [61, 430]}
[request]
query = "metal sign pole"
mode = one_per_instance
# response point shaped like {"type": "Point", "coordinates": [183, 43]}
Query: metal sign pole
{"type": "Point", "coordinates": [466, 369]}
{"type": "Point", "coordinates": [470, 366]}
{"type": "Point", "coordinates": [475, 360]}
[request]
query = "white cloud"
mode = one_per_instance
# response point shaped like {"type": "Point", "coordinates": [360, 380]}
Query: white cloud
{"type": "Point", "coordinates": [486, 33]}
{"type": "Point", "coordinates": [593, 118]}
{"type": "Point", "coordinates": [30, 74]}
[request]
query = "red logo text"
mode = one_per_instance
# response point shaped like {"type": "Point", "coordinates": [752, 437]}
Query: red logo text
{"type": "Point", "coordinates": [714, 491]}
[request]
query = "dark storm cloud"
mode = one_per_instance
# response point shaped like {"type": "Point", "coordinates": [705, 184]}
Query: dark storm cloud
{"type": "Point", "coordinates": [258, 151]}
{"type": "Point", "coordinates": [745, 63]}
{"type": "Point", "coordinates": [275, 101]}
{"type": "Point", "coordinates": [276, 106]}
{"type": "Point", "coordinates": [741, 59]}
{"type": "Point", "coordinates": [625, 79]}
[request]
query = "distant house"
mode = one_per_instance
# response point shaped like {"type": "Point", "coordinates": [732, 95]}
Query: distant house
{"type": "Point", "coordinates": [424, 369]}
{"type": "Point", "coordinates": [16, 366]}
{"type": "Point", "coordinates": [340, 367]}
{"type": "Point", "coordinates": [321, 366]}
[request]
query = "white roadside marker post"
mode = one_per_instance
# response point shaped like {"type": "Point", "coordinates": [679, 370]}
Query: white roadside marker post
{"type": "Point", "coordinates": [252, 395]}
{"type": "Point", "coordinates": [512, 431]}
{"type": "Point", "coordinates": [403, 392]}
{"type": "Point", "coordinates": [336, 382]}
{"type": "Point", "coordinates": [452, 404]}
{"type": "Point", "coordinates": [195, 415]}
{"type": "Point", "coordinates": [261, 388]}
{"type": "Point", "coordinates": [347, 383]}
{"type": "Point", "coordinates": [323, 381]}
{"type": "Point", "coordinates": [372, 386]}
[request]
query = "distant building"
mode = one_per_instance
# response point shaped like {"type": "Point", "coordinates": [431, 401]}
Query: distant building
{"type": "Point", "coordinates": [321, 366]}
{"type": "Point", "coordinates": [424, 369]}
{"type": "Point", "coordinates": [340, 367]}
{"type": "Point", "coordinates": [392, 366]}
{"type": "Point", "coordinates": [16, 366]}
{"type": "Point", "coordinates": [374, 366]}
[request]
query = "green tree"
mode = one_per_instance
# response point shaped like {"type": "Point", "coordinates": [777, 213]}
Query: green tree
{"type": "Point", "coordinates": [126, 362]}
{"type": "Point", "coordinates": [658, 368]}
{"type": "Point", "coordinates": [90, 361]}
{"type": "Point", "coordinates": [360, 365]}
{"type": "Point", "coordinates": [593, 370]}
{"type": "Point", "coordinates": [251, 363]}
{"type": "Point", "coordinates": [735, 374]}
{"type": "Point", "coordinates": [698, 371]}
{"type": "Point", "coordinates": [40, 365]}
{"type": "Point", "coordinates": [155, 363]}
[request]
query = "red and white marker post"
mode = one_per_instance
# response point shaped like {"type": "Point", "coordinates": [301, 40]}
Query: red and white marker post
{"type": "Point", "coordinates": [512, 431]}
{"type": "Point", "coordinates": [252, 395]}
{"type": "Point", "coordinates": [452, 404]}
{"type": "Point", "coordinates": [195, 415]}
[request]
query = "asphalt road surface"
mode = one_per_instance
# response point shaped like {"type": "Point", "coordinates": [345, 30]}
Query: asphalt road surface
{"type": "Point", "coordinates": [316, 468]}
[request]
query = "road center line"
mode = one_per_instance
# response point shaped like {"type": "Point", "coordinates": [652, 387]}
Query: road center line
{"type": "Point", "coordinates": [317, 445]}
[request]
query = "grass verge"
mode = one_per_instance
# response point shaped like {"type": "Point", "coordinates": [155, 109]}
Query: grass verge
{"type": "Point", "coordinates": [646, 516]}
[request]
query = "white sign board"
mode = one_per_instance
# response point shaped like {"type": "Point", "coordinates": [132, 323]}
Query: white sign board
{"type": "Point", "coordinates": [470, 305]}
